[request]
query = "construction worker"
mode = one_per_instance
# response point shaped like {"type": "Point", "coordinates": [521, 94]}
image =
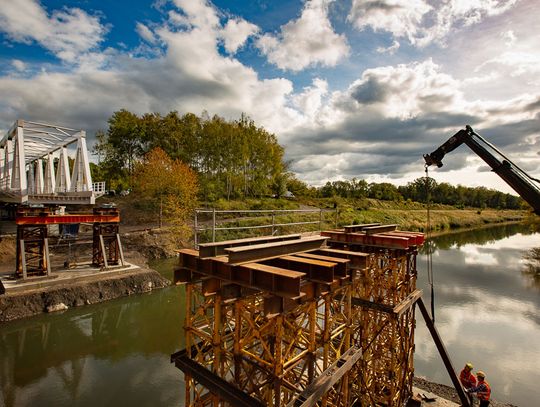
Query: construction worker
{"type": "Point", "coordinates": [483, 390]}
{"type": "Point", "coordinates": [467, 379]}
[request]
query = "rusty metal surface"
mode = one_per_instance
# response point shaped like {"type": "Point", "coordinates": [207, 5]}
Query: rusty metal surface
{"type": "Point", "coordinates": [218, 248]}
{"type": "Point", "coordinates": [269, 250]}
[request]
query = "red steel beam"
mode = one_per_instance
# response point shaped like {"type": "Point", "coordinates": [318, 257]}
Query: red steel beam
{"type": "Point", "coordinates": [63, 219]}
{"type": "Point", "coordinates": [378, 240]}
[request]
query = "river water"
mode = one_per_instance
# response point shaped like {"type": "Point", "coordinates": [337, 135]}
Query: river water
{"type": "Point", "coordinates": [117, 353]}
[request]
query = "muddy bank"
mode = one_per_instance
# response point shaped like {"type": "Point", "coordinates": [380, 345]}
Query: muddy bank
{"type": "Point", "coordinates": [449, 393]}
{"type": "Point", "coordinates": [25, 304]}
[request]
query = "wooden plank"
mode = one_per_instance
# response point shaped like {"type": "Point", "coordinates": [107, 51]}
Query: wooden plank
{"type": "Point", "coordinates": [246, 254]}
{"type": "Point", "coordinates": [407, 303]}
{"type": "Point", "coordinates": [218, 248]}
{"type": "Point", "coordinates": [371, 230]}
{"type": "Point", "coordinates": [324, 382]}
{"type": "Point", "coordinates": [360, 302]}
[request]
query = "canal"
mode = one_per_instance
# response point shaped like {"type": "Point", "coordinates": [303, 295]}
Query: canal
{"type": "Point", "coordinates": [117, 353]}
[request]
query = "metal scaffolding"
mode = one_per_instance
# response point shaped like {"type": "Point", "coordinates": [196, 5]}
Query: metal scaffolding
{"type": "Point", "coordinates": [325, 320]}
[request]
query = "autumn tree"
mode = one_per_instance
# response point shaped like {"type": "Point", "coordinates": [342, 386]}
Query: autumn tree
{"type": "Point", "coordinates": [170, 185]}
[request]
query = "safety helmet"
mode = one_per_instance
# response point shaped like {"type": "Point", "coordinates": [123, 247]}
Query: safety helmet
{"type": "Point", "coordinates": [481, 374]}
{"type": "Point", "coordinates": [469, 365]}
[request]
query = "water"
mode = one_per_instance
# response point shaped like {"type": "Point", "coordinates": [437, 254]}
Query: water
{"type": "Point", "coordinates": [486, 310]}
{"type": "Point", "coordinates": [118, 352]}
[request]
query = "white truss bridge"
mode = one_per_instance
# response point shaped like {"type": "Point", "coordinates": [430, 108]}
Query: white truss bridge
{"type": "Point", "coordinates": [35, 166]}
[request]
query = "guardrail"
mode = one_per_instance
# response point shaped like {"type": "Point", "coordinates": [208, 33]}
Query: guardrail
{"type": "Point", "coordinates": [264, 214]}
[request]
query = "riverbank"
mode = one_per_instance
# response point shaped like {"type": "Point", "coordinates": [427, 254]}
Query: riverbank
{"type": "Point", "coordinates": [448, 393]}
{"type": "Point", "coordinates": [98, 288]}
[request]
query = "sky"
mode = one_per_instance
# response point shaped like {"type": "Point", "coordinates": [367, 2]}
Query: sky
{"type": "Point", "coordinates": [351, 88]}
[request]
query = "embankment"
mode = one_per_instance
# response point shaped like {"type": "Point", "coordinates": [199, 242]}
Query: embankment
{"type": "Point", "coordinates": [32, 302]}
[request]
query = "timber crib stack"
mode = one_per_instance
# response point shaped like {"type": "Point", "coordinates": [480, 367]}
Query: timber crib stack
{"type": "Point", "coordinates": [301, 321]}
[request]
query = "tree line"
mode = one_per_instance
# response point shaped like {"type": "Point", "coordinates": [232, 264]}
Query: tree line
{"type": "Point", "coordinates": [236, 159]}
{"type": "Point", "coordinates": [233, 159]}
{"type": "Point", "coordinates": [423, 190]}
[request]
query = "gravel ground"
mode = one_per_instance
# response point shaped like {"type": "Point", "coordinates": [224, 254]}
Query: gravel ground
{"type": "Point", "coordinates": [449, 393]}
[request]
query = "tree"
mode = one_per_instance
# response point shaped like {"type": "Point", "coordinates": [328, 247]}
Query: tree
{"type": "Point", "coordinates": [169, 184]}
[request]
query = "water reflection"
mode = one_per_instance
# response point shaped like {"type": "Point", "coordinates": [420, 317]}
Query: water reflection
{"type": "Point", "coordinates": [532, 266]}
{"type": "Point", "coordinates": [63, 359]}
{"type": "Point", "coordinates": [486, 310]}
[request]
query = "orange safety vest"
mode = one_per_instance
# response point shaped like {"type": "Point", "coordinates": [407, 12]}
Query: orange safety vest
{"type": "Point", "coordinates": [485, 392]}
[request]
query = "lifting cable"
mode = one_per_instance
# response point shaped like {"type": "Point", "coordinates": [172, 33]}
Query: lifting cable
{"type": "Point", "coordinates": [429, 245]}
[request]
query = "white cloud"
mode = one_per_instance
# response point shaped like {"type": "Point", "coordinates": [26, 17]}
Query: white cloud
{"type": "Point", "coordinates": [145, 33]}
{"type": "Point", "coordinates": [18, 65]}
{"type": "Point", "coordinates": [389, 50]}
{"type": "Point", "coordinates": [67, 33]}
{"type": "Point", "coordinates": [509, 38]}
{"type": "Point", "coordinates": [402, 18]}
{"type": "Point", "coordinates": [309, 40]}
{"type": "Point", "coordinates": [421, 22]}
{"type": "Point", "coordinates": [236, 32]}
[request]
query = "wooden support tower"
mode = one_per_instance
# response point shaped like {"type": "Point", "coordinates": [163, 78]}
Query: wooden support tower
{"type": "Point", "coordinates": [301, 321]}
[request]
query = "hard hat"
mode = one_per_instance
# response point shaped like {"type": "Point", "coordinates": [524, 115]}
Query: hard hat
{"type": "Point", "coordinates": [481, 374]}
{"type": "Point", "coordinates": [469, 365]}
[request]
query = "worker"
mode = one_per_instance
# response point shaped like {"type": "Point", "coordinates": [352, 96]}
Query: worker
{"type": "Point", "coordinates": [467, 379]}
{"type": "Point", "coordinates": [483, 390]}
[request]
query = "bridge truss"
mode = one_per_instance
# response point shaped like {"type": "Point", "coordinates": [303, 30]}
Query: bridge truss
{"type": "Point", "coordinates": [35, 165]}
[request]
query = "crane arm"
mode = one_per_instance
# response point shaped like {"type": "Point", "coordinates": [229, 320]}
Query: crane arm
{"type": "Point", "coordinates": [508, 171]}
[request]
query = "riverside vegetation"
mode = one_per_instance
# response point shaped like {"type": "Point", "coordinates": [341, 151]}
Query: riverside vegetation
{"type": "Point", "coordinates": [171, 164]}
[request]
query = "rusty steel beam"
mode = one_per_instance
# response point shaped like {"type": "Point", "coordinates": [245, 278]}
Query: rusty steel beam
{"type": "Point", "coordinates": [377, 240]}
{"type": "Point", "coordinates": [418, 237]}
{"type": "Point", "coordinates": [316, 270]}
{"type": "Point", "coordinates": [64, 219]}
{"type": "Point", "coordinates": [444, 354]}
{"type": "Point", "coordinates": [218, 248]}
{"type": "Point", "coordinates": [245, 254]}
{"type": "Point", "coordinates": [371, 230]}
{"type": "Point", "coordinates": [358, 228]}
{"type": "Point", "coordinates": [278, 281]}
{"type": "Point", "coordinates": [215, 384]}
{"type": "Point", "coordinates": [324, 382]}
{"type": "Point", "coordinates": [357, 260]}
{"type": "Point", "coordinates": [340, 268]}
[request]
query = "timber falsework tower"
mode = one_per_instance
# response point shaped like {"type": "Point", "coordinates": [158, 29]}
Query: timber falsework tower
{"type": "Point", "coordinates": [301, 321]}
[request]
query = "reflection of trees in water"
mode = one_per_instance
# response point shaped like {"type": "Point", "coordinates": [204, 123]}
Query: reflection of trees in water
{"type": "Point", "coordinates": [139, 325]}
{"type": "Point", "coordinates": [532, 266]}
{"type": "Point", "coordinates": [480, 236]}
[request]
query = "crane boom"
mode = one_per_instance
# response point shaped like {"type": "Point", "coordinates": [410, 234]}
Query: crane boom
{"type": "Point", "coordinates": [514, 176]}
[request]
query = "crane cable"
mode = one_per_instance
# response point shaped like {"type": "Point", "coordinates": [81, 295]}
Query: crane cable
{"type": "Point", "coordinates": [429, 243]}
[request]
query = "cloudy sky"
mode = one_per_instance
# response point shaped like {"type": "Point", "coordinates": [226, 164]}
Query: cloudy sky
{"type": "Point", "coordinates": [351, 88]}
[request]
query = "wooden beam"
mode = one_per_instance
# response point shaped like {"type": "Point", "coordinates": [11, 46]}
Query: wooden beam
{"type": "Point", "coordinates": [407, 303]}
{"type": "Point", "coordinates": [324, 382]}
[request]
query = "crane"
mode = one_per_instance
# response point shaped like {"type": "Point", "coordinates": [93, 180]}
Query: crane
{"type": "Point", "coordinates": [519, 180]}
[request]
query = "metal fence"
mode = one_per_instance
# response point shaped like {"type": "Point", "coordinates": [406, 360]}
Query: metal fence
{"type": "Point", "coordinates": [263, 214]}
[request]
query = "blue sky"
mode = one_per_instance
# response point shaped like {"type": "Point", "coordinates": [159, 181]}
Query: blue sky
{"type": "Point", "coordinates": [355, 88]}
